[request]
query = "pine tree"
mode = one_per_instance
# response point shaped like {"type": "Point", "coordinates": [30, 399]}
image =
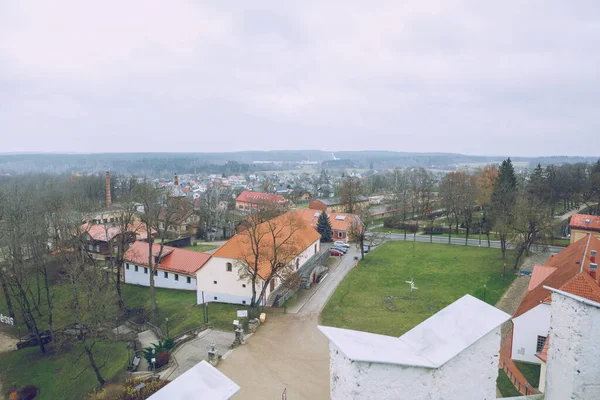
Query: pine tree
{"type": "Point", "coordinates": [503, 202]}
{"type": "Point", "coordinates": [324, 228]}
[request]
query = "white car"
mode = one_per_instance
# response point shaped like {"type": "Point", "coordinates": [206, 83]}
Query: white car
{"type": "Point", "coordinates": [340, 243]}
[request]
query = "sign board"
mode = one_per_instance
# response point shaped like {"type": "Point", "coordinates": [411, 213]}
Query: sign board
{"type": "Point", "coordinates": [242, 313]}
{"type": "Point", "coordinates": [8, 320]}
{"type": "Point", "coordinates": [236, 322]}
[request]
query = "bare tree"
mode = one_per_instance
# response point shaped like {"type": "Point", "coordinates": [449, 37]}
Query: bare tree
{"type": "Point", "coordinates": [450, 196]}
{"type": "Point", "coordinates": [268, 249]}
{"type": "Point", "coordinates": [350, 190]}
{"type": "Point", "coordinates": [360, 231]}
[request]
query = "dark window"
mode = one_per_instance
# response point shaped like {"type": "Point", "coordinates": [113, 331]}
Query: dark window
{"type": "Point", "coordinates": [243, 285]}
{"type": "Point", "coordinates": [145, 270]}
{"type": "Point", "coordinates": [126, 266]}
{"type": "Point", "coordinates": [215, 282]}
{"type": "Point", "coordinates": [136, 268]}
{"type": "Point", "coordinates": [243, 301]}
{"type": "Point", "coordinates": [340, 234]}
{"type": "Point", "coordinates": [215, 297]}
{"type": "Point", "coordinates": [189, 280]}
{"type": "Point", "coordinates": [176, 277]}
{"type": "Point", "coordinates": [229, 267]}
{"type": "Point", "coordinates": [166, 275]}
{"type": "Point", "coordinates": [541, 341]}
{"type": "Point", "coordinates": [156, 273]}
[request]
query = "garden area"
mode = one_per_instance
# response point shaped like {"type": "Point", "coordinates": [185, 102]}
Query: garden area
{"type": "Point", "coordinates": [375, 298]}
{"type": "Point", "coordinates": [202, 247]}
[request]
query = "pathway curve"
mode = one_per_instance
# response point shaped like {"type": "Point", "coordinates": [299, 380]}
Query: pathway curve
{"type": "Point", "coordinates": [146, 339]}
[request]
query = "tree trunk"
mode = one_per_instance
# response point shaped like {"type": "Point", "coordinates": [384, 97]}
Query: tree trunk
{"type": "Point", "coordinates": [488, 239]}
{"type": "Point", "coordinates": [518, 257]}
{"type": "Point", "coordinates": [48, 300]}
{"type": "Point", "coordinates": [90, 354]}
{"type": "Point", "coordinates": [503, 245]}
{"type": "Point", "coordinates": [118, 284]}
{"type": "Point", "coordinates": [9, 305]}
{"type": "Point", "coordinates": [467, 236]}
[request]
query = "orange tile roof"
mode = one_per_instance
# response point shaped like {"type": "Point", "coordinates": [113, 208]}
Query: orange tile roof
{"type": "Point", "coordinates": [540, 272]}
{"type": "Point", "coordinates": [543, 355]}
{"type": "Point", "coordinates": [173, 258]}
{"type": "Point", "coordinates": [104, 233]}
{"type": "Point", "coordinates": [292, 233]}
{"type": "Point", "coordinates": [584, 286]}
{"type": "Point", "coordinates": [312, 217]}
{"type": "Point", "coordinates": [258, 197]}
{"type": "Point", "coordinates": [585, 221]}
{"type": "Point", "coordinates": [567, 264]}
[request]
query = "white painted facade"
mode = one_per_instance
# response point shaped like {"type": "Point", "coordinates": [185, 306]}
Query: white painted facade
{"type": "Point", "coordinates": [140, 275]}
{"type": "Point", "coordinates": [542, 382]}
{"type": "Point", "coordinates": [218, 280]}
{"type": "Point", "coordinates": [453, 380]}
{"type": "Point", "coordinates": [527, 328]}
{"type": "Point", "coordinates": [573, 353]}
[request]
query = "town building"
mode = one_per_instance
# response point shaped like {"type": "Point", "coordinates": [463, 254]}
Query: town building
{"type": "Point", "coordinates": [220, 281]}
{"type": "Point", "coordinates": [341, 223]}
{"type": "Point", "coordinates": [451, 355]}
{"type": "Point", "coordinates": [248, 201]}
{"type": "Point", "coordinates": [174, 269]}
{"type": "Point", "coordinates": [572, 271]}
{"type": "Point", "coordinates": [582, 224]}
{"type": "Point", "coordinates": [102, 241]}
{"type": "Point", "coordinates": [334, 204]}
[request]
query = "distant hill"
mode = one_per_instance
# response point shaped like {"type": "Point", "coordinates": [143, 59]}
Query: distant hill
{"type": "Point", "coordinates": [242, 162]}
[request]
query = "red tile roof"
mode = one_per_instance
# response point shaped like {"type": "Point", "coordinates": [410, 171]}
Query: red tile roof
{"type": "Point", "coordinates": [338, 221]}
{"type": "Point", "coordinates": [104, 233]}
{"type": "Point", "coordinates": [540, 272]}
{"type": "Point", "coordinates": [567, 264]}
{"type": "Point", "coordinates": [586, 222]}
{"type": "Point", "coordinates": [293, 233]}
{"type": "Point", "coordinates": [259, 197]}
{"type": "Point", "coordinates": [173, 259]}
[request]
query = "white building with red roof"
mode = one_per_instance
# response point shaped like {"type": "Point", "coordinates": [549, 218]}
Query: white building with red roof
{"type": "Point", "coordinates": [248, 200]}
{"type": "Point", "coordinates": [176, 268]}
{"type": "Point", "coordinates": [582, 224]}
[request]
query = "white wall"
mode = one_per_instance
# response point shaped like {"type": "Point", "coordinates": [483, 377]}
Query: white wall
{"type": "Point", "coordinates": [573, 353]}
{"type": "Point", "coordinates": [228, 289]}
{"type": "Point", "coordinates": [471, 375]}
{"type": "Point", "coordinates": [526, 329]}
{"type": "Point", "coordinates": [141, 278]}
{"type": "Point", "coordinates": [542, 382]}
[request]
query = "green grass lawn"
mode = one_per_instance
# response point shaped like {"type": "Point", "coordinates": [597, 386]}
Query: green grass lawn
{"type": "Point", "coordinates": [56, 374]}
{"type": "Point", "coordinates": [202, 247]}
{"type": "Point", "coordinates": [531, 372]}
{"type": "Point", "coordinates": [462, 235]}
{"type": "Point", "coordinates": [505, 386]}
{"type": "Point", "coordinates": [560, 242]}
{"type": "Point", "coordinates": [375, 298]}
{"type": "Point", "coordinates": [301, 205]}
{"type": "Point", "coordinates": [181, 309]}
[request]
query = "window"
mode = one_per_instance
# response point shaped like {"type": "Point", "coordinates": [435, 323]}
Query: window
{"type": "Point", "coordinates": [156, 273]}
{"type": "Point", "coordinates": [89, 237]}
{"type": "Point", "coordinates": [136, 268]}
{"type": "Point", "coordinates": [229, 267]}
{"type": "Point", "coordinates": [243, 285]}
{"type": "Point", "coordinates": [215, 297]}
{"type": "Point", "coordinates": [243, 301]}
{"type": "Point", "coordinates": [176, 277]}
{"type": "Point", "coordinates": [541, 341]}
{"type": "Point", "coordinates": [189, 280]}
{"type": "Point", "coordinates": [126, 266]}
{"type": "Point", "coordinates": [215, 282]}
{"type": "Point", "coordinates": [166, 275]}
{"type": "Point", "coordinates": [115, 249]}
{"type": "Point", "coordinates": [91, 247]}
{"type": "Point", "coordinates": [145, 270]}
{"type": "Point", "coordinates": [340, 234]}
{"type": "Point", "coordinates": [97, 248]}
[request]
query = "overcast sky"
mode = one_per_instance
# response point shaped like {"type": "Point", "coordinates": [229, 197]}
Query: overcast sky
{"type": "Point", "coordinates": [477, 77]}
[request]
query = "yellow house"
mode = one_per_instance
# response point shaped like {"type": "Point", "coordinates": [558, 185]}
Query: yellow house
{"type": "Point", "coordinates": [582, 224]}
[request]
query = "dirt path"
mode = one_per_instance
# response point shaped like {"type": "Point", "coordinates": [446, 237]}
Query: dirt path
{"type": "Point", "coordinates": [289, 352]}
{"type": "Point", "coordinates": [7, 343]}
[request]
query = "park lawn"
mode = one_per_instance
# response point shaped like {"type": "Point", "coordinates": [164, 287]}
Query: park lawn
{"type": "Point", "coordinates": [530, 371]}
{"type": "Point", "coordinates": [202, 247]}
{"type": "Point", "coordinates": [505, 386]}
{"type": "Point", "coordinates": [375, 298]}
{"type": "Point", "coordinates": [181, 309]}
{"type": "Point", "coordinates": [493, 236]}
{"type": "Point", "coordinates": [56, 374]}
{"type": "Point", "coordinates": [301, 205]}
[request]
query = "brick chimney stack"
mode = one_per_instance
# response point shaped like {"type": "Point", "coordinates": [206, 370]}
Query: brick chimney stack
{"type": "Point", "coordinates": [593, 256]}
{"type": "Point", "coordinates": [108, 198]}
{"type": "Point", "coordinates": [593, 268]}
{"type": "Point", "coordinates": [176, 180]}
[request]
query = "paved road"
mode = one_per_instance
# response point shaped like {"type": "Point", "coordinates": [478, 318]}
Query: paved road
{"type": "Point", "coordinates": [327, 287]}
{"type": "Point", "coordinates": [461, 241]}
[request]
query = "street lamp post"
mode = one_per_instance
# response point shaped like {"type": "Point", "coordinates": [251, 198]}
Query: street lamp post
{"type": "Point", "coordinates": [153, 361]}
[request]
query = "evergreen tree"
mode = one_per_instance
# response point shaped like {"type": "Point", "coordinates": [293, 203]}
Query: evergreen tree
{"type": "Point", "coordinates": [324, 228]}
{"type": "Point", "coordinates": [503, 202]}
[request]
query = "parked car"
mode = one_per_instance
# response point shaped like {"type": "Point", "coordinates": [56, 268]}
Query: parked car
{"type": "Point", "coordinates": [338, 248]}
{"type": "Point", "coordinates": [341, 244]}
{"type": "Point", "coordinates": [336, 253]}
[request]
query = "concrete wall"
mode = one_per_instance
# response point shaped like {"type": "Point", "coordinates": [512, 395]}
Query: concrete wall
{"type": "Point", "coordinates": [542, 382]}
{"type": "Point", "coordinates": [573, 354]}
{"type": "Point", "coordinates": [527, 327]}
{"type": "Point", "coordinates": [143, 278]}
{"type": "Point", "coordinates": [471, 375]}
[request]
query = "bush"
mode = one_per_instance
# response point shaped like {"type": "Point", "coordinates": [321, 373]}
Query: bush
{"type": "Point", "coordinates": [161, 352]}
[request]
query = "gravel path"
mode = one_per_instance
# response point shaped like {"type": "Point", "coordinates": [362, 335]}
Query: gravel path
{"type": "Point", "coordinates": [515, 293]}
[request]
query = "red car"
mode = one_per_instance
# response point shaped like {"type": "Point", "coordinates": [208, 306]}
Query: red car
{"type": "Point", "coordinates": [336, 253]}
